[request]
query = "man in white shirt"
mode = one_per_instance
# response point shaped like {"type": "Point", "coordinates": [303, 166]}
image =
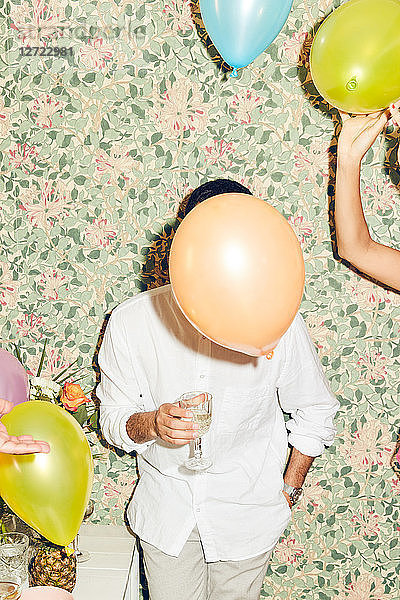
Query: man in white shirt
{"type": "Point", "coordinates": [209, 535]}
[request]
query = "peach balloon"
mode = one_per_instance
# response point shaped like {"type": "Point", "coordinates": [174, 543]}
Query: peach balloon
{"type": "Point", "coordinates": [237, 272]}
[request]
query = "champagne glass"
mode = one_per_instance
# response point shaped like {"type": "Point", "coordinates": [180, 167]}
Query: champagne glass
{"type": "Point", "coordinates": [82, 556]}
{"type": "Point", "coordinates": [200, 405]}
{"type": "Point", "coordinates": [13, 563]}
{"type": "Point", "coordinates": [10, 590]}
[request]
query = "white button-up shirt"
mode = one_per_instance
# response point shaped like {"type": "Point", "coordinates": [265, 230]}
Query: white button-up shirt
{"type": "Point", "coordinates": [151, 355]}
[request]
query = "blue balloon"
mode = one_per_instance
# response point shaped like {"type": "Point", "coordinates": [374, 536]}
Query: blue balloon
{"type": "Point", "coordinates": [242, 29]}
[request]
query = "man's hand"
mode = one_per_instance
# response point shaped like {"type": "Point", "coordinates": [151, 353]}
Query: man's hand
{"type": "Point", "coordinates": [170, 425]}
{"type": "Point", "coordinates": [22, 444]}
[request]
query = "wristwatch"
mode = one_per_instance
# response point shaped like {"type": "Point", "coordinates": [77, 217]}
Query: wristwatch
{"type": "Point", "coordinates": [294, 494]}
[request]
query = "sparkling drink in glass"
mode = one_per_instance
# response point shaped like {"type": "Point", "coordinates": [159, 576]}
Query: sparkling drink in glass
{"type": "Point", "coordinates": [200, 405]}
{"type": "Point", "coordinates": [14, 560]}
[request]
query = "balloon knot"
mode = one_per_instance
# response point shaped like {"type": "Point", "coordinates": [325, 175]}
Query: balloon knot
{"type": "Point", "coordinates": [234, 72]}
{"type": "Point", "coordinates": [352, 84]}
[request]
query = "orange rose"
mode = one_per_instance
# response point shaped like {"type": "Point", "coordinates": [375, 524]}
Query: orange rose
{"type": "Point", "coordinates": [72, 396]}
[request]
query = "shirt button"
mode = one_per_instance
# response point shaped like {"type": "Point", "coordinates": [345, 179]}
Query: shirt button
{"type": "Point", "coordinates": [197, 510]}
{"type": "Point", "coordinates": [201, 376]}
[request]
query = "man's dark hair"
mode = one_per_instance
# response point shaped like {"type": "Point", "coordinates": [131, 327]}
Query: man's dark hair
{"type": "Point", "coordinates": [210, 189]}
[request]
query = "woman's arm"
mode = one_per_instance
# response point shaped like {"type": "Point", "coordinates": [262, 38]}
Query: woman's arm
{"type": "Point", "coordinates": [353, 238]}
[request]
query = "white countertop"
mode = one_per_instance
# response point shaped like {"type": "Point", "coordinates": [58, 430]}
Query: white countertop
{"type": "Point", "coordinates": [112, 572]}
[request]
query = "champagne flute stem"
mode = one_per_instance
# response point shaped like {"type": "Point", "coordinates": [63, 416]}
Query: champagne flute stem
{"type": "Point", "coordinates": [75, 546]}
{"type": "Point", "coordinates": [197, 448]}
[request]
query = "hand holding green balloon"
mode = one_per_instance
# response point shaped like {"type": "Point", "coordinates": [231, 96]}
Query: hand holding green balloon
{"type": "Point", "coordinates": [354, 241]}
{"type": "Point", "coordinates": [359, 133]}
{"type": "Point", "coordinates": [22, 444]}
{"type": "Point", "coordinates": [48, 491]}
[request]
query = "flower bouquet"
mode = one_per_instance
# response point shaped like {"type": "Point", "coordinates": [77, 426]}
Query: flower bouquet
{"type": "Point", "coordinates": [63, 389]}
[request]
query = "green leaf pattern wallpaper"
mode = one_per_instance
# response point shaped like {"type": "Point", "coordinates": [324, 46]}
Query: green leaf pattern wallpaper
{"type": "Point", "coordinates": [100, 143]}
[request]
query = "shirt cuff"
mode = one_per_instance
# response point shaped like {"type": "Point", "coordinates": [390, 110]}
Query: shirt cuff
{"type": "Point", "coordinates": [306, 445]}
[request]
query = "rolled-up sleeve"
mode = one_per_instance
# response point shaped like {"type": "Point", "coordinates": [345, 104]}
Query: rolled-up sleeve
{"type": "Point", "coordinates": [119, 392]}
{"type": "Point", "coordinates": [304, 393]}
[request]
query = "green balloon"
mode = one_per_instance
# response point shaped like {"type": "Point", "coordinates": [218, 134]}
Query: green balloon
{"type": "Point", "coordinates": [48, 491]}
{"type": "Point", "coordinates": [355, 56]}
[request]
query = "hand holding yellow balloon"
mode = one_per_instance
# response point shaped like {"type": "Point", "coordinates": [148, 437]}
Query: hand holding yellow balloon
{"type": "Point", "coordinates": [355, 56]}
{"type": "Point", "coordinates": [237, 272]}
{"type": "Point", "coordinates": [50, 491]}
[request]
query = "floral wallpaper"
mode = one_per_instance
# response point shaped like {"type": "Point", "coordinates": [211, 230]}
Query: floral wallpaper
{"type": "Point", "coordinates": [100, 140]}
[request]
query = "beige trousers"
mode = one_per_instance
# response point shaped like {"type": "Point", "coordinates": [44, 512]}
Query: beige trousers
{"type": "Point", "coordinates": [189, 577]}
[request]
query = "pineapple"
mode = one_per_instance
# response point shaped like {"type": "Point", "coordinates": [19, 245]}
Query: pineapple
{"type": "Point", "coordinates": [52, 566]}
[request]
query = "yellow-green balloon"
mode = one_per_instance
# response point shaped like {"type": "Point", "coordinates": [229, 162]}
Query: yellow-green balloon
{"type": "Point", "coordinates": [355, 56]}
{"type": "Point", "coordinates": [48, 491]}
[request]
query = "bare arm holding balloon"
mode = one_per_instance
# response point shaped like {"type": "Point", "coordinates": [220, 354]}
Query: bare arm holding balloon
{"type": "Point", "coordinates": [22, 444]}
{"type": "Point", "coordinates": [353, 238]}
